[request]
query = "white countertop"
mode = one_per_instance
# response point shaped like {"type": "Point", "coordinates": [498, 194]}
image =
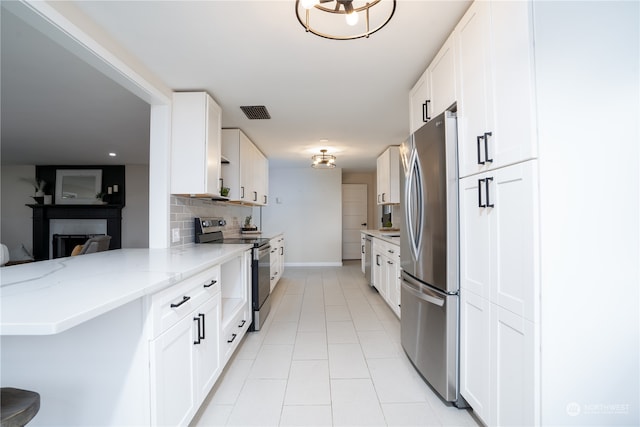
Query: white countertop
{"type": "Point", "coordinates": [49, 297]}
{"type": "Point", "coordinates": [387, 236]}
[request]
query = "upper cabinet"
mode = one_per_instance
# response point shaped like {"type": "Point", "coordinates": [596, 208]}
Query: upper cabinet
{"type": "Point", "coordinates": [435, 91]}
{"type": "Point", "coordinates": [495, 89]}
{"type": "Point", "coordinates": [388, 176]}
{"type": "Point", "coordinates": [195, 145]}
{"type": "Point", "coordinates": [247, 172]}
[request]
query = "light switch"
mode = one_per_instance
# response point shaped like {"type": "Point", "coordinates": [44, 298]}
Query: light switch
{"type": "Point", "coordinates": [175, 235]}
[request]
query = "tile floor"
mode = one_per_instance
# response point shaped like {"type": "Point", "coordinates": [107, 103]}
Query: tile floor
{"type": "Point", "coordinates": [328, 354]}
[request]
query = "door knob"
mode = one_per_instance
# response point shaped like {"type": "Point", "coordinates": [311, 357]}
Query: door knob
{"type": "Point", "coordinates": [363, 224]}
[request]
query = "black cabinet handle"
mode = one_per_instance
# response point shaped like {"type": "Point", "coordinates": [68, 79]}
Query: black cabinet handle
{"type": "Point", "coordinates": [233, 337]}
{"type": "Point", "coordinates": [486, 183]}
{"type": "Point", "coordinates": [425, 113]}
{"type": "Point", "coordinates": [281, 250]}
{"type": "Point", "coordinates": [197, 319]}
{"type": "Point", "coordinates": [362, 250]}
{"type": "Point", "coordinates": [377, 259]}
{"type": "Point", "coordinates": [184, 299]}
{"type": "Point", "coordinates": [255, 196]}
{"type": "Point", "coordinates": [201, 315]}
{"type": "Point", "coordinates": [486, 147]}
{"type": "Point", "coordinates": [265, 199]}
{"type": "Point", "coordinates": [383, 197]}
{"type": "Point", "coordinates": [242, 323]}
{"type": "Point", "coordinates": [480, 162]}
{"type": "Point", "coordinates": [211, 283]}
{"type": "Point", "coordinates": [242, 192]}
{"type": "Point", "coordinates": [389, 262]}
{"type": "Point", "coordinates": [480, 204]}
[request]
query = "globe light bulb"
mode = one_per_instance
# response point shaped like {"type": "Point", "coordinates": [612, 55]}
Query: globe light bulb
{"type": "Point", "coordinates": [308, 4]}
{"type": "Point", "coordinates": [352, 18]}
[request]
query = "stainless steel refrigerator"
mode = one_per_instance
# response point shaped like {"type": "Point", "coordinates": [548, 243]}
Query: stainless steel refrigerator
{"type": "Point", "coordinates": [429, 255]}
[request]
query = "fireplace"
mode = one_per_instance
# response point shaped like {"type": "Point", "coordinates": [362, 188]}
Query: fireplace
{"type": "Point", "coordinates": [46, 220]}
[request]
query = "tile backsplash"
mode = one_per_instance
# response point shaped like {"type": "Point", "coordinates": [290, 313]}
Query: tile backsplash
{"type": "Point", "coordinates": [184, 209]}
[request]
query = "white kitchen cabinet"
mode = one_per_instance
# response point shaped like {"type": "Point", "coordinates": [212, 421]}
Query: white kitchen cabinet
{"type": "Point", "coordinates": [498, 269]}
{"type": "Point", "coordinates": [514, 371]}
{"type": "Point", "coordinates": [442, 77]}
{"type": "Point", "coordinates": [195, 145]}
{"type": "Point", "coordinates": [495, 86]}
{"type": "Point", "coordinates": [420, 102]}
{"type": "Point", "coordinates": [475, 358]}
{"type": "Point", "coordinates": [236, 314]}
{"type": "Point", "coordinates": [363, 243]}
{"type": "Point", "coordinates": [386, 272]}
{"type": "Point", "coordinates": [247, 172]}
{"type": "Point", "coordinates": [388, 176]}
{"type": "Point", "coordinates": [498, 237]}
{"type": "Point", "coordinates": [185, 351]}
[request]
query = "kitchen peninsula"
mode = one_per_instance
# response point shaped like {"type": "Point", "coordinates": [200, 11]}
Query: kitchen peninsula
{"type": "Point", "coordinates": [95, 334]}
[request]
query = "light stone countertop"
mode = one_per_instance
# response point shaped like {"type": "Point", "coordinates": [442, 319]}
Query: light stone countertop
{"type": "Point", "coordinates": [387, 236]}
{"type": "Point", "coordinates": [49, 297]}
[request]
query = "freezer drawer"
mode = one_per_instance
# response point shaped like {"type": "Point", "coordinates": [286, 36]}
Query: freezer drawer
{"type": "Point", "coordinates": [429, 333]}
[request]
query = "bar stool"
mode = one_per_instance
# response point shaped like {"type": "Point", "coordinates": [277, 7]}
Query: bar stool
{"type": "Point", "coordinates": [17, 407]}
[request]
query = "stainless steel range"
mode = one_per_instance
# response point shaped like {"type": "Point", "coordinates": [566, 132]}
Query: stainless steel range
{"type": "Point", "coordinates": [207, 230]}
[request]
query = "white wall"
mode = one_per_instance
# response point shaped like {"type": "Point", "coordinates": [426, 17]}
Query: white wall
{"type": "Point", "coordinates": [306, 204]}
{"type": "Point", "coordinates": [135, 215]}
{"type": "Point", "coordinates": [587, 72]}
{"type": "Point", "coordinates": [15, 217]}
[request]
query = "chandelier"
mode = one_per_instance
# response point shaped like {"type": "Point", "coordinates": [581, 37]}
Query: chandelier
{"type": "Point", "coordinates": [327, 20]}
{"type": "Point", "coordinates": [323, 160]}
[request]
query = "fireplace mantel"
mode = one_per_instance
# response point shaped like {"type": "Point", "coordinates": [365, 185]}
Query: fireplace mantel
{"type": "Point", "coordinates": [43, 213]}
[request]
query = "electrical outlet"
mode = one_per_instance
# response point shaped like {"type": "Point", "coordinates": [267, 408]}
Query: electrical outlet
{"type": "Point", "coordinates": [175, 235]}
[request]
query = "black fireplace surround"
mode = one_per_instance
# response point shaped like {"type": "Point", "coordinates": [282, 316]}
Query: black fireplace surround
{"type": "Point", "coordinates": [43, 213]}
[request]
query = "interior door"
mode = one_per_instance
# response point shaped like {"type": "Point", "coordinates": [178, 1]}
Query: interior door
{"type": "Point", "coordinates": [354, 219]}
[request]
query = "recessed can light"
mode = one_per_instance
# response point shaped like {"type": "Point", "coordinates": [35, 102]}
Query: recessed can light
{"type": "Point", "coordinates": [112, 154]}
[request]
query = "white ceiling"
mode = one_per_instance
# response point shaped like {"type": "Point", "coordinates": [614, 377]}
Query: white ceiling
{"type": "Point", "coordinates": [58, 110]}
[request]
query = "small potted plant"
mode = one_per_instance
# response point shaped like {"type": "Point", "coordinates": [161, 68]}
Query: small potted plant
{"type": "Point", "coordinates": [38, 186]}
{"type": "Point", "coordinates": [247, 224]}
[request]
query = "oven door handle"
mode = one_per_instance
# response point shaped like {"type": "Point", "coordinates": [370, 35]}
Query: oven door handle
{"type": "Point", "coordinates": [421, 292]}
{"type": "Point", "coordinates": [262, 251]}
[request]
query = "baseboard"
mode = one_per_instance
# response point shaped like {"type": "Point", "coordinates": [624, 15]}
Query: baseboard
{"type": "Point", "coordinates": [313, 264]}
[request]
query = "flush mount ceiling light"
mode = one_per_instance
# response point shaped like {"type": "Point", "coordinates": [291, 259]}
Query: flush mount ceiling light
{"type": "Point", "coordinates": [323, 161]}
{"type": "Point", "coordinates": [326, 18]}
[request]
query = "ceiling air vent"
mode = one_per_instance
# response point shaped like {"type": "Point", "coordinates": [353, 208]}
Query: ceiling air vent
{"type": "Point", "coordinates": [256, 112]}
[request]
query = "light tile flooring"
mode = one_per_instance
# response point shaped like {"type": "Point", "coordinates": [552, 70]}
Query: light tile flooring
{"type": "Point", "coordinates": [328, 354]}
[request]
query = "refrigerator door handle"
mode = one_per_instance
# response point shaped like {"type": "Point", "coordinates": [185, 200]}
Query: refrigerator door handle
{"type": "Point", "coordinates": [421, 292]}
{"type": "Point", "coordinates": [414, 205]}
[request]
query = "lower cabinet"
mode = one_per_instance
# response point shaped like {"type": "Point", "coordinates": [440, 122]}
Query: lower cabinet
{"type": "Point", "coordinates": [386, 272]}
{"type": "Point", "coordinates": [277, 260]}
{"type": "Point", "coordinates": [498, 363]}
{"type": "Point", "coordinates": [185, 363]}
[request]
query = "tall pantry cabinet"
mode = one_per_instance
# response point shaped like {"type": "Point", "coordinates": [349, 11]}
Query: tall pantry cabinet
{"type": "Point", "coordinates": [530, 282]}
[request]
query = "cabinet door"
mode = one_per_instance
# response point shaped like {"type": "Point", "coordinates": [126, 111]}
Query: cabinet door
{"type": "Point", "coordinates": [420, 103]}
{"type": "Point", "coordinates": [207, 351]}
{"type": "Point", "coordinates": [261, 178]}
{"type": "Point", "coordinates": [377, 265]}
{"type": "Point", "coordinates": [475, 116]}
{"type": "Point", "coordinates": [515, 388]}
{"type": "Point", "coordinates": [382, 176]}
{"type": "Point", "coordinates": [195, 144]}
{"type": "Point", "coordinates": [475, 237]}
{"type": "Point", "coordinates": [173, 401]}
{"type": "Point", "coordinates": [513, 133]}
{"type": "Point", "coordinates": [247, 186]}
{"type": "Point", "coordinates": [514, 231]}
{"type": "Point", "coordinates": [475, 352]}
{"type": "Point", "coordinates": [442, 75]}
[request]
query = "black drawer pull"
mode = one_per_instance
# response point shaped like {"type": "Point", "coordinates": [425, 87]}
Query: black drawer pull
{"type": "Point", "coordinates": [486, 148]}
{"type": "Point", "coordinates": [201, 315]}
{"type": "Point", "coordinates": [184, 299]}
{"type": "Point", "coordinates": [425, 114]}
{"type": "Point", "coordinates": [211, 283]}
{"type": "Point", "coordinates": [233, 337]}
{"type": "Point", "coordinates": [480, 204]}
{"type": "Point", "coordinates": [242, 323]}
{"type": "Point", "coordinates": [197, 319]}
{"type": "Point", "coordinates": [480, 162]}
{"type": "Point", "coordinates": [489, 204]}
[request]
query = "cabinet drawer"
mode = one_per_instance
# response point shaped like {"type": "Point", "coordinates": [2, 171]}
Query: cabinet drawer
{"type": "Point", "coordinates": [234, 332]}
{"type": "Point", "coordinates": [169, 306]}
